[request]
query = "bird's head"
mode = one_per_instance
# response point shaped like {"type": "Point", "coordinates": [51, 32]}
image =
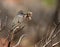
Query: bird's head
{"type": "Point", "coordinates": [26, 15]}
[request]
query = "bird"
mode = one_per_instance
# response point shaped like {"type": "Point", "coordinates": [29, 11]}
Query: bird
{"type": "Point", "coordinates": [22, 17]}
{"type": "Point", "coordinates": [20, 20]}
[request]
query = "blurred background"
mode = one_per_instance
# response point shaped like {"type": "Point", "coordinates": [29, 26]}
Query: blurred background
{"type": "Point", "coordinates": [39, 29]}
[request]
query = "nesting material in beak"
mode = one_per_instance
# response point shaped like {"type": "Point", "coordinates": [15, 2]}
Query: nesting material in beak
{"type": "Point", "coordinates": [28, 16]}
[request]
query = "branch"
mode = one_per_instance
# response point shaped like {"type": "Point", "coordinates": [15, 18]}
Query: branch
{"type": "Point", "coordinates": [55, 44]}
{"type": "Point", "coordinates": [53, 36]}
{"type": "Point", "coordinates": [51, 33]}
{"type": "Point", "coordinates": [20, 39]}
{"type": "Point", "coordinates": [13, 31]}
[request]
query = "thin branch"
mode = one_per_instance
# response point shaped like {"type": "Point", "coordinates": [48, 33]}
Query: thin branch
{"type": "Point", "coordinates": [53, 36]}
{"type": "Point", "coordinates": [14, 29]}
{"type": "Point", "coordinates": [54, 30]}
{"type": "Point", "coordinates": [20, 39]}
{"type": "Point", "coordinates": [55, 44]}
{"type": "Point", "coordinates": [50, 40]}
{"type": "Point", "coordinates": [51, 33]}
{"type": "Point", "coordinates": [47, 43]}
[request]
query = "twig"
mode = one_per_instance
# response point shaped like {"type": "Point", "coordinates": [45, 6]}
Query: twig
{"type": "Point", "coordinates": [53, 36]}
{"type": "Point", "coordinates": [12, 32]}
{"type": "Point", "coordinates": [20, 39]}
{"type": "Point", "coordinates": [51, 33]}
{"type": "Point", "coordinates": [50, 40]}
{"type": "Point", "coordinates": [55, 44]}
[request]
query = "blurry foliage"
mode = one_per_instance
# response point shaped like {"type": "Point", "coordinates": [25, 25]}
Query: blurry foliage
{"type": "Point", "coordinates": [49, 2]}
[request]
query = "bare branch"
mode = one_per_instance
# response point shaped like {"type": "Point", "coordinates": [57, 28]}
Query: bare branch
{"type": "Point", "coordinates": [55, 44]}
{"type": "Point", "coordinates": [51, 33]}
{"type": "Point", "coordinates": [20, 39]}
{"type": "Point", "coordinates": [53, 36]}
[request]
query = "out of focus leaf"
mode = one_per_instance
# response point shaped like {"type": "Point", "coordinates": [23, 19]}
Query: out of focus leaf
{"type": "Point", "coordinates": [49, 2]}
